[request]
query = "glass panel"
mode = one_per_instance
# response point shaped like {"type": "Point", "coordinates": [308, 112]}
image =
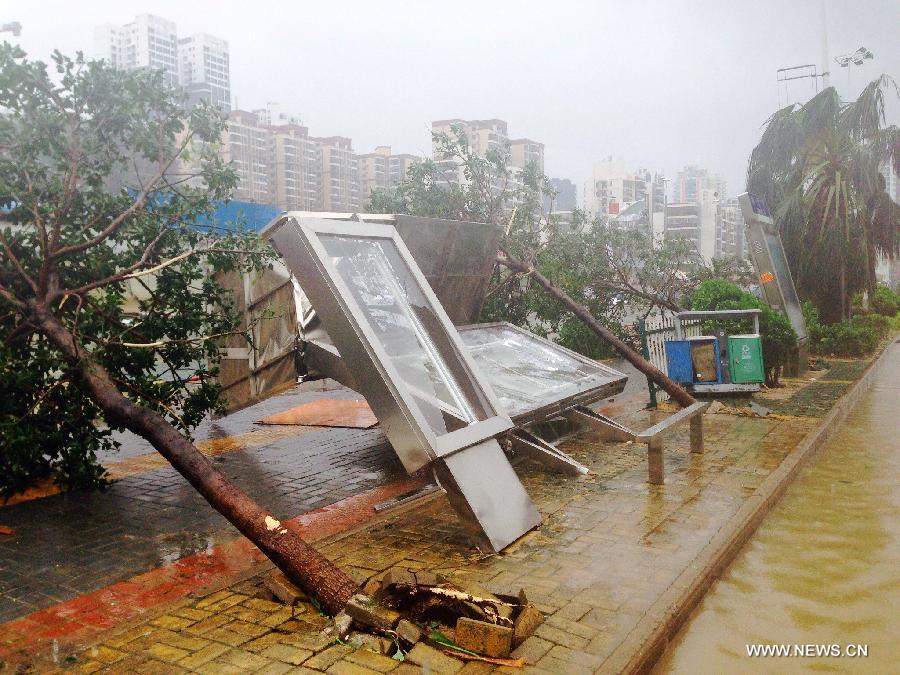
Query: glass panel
{"type": "Point", "coordinates": [408, 329]}
{"type": "Point", "coordinates": [526, 373]}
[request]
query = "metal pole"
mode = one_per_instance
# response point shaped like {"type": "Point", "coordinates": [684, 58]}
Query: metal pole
{"type": "Point", "coordinates": [645, 350]}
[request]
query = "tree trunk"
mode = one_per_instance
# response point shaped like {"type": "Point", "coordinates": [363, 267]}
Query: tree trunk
{"type": "Point", "coordinates": [677, 392]}
{"type": "Point", "coordinates": [844, 300]}
{"type": "Point", "coordinates": [301, 563]}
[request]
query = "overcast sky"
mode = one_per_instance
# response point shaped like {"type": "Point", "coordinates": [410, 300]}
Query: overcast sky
{"type": "Point", "coordinates": [660, 84]}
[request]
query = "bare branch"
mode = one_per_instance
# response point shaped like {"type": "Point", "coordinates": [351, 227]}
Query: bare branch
{"type": "Point", "coordinates": [137, 205]}
{"type": "Point", "coordinates": [17, 263]}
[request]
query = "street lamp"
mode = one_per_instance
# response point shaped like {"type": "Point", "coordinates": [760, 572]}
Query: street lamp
{"type": "Point", "coordinates": [853, 59]}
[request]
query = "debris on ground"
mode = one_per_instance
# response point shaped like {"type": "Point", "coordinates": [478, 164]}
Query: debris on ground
{"type": "Point", "coordinates": [7, 530]}
{"type": "Point", "coordinates": [424, 617]}
{"type": "Point", "coordinates": [352, 414]}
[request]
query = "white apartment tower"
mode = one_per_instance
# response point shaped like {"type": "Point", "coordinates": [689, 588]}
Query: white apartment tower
{"type": "Point", "coordinates": [381, 170]}
{"type": "Point", "coordinates": [204, 71]}
{"type": "Point", "coordinates": [199, 64]}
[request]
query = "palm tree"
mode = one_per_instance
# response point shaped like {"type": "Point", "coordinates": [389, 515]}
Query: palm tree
{"type": "Point", "coordinates": [818, 165]}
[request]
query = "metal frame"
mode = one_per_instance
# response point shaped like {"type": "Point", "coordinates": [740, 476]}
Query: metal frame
{"type": "Point", "coordinates": [396, 408]}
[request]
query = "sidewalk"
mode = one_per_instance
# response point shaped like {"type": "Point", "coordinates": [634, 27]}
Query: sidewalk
{"type": "Point", "coordinates": [611, 545]}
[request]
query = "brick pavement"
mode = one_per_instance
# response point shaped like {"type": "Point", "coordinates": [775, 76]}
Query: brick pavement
{"type": "Point", "coordinates": [609, 545]}
{"type": "Point", "coordinates": [69, 544]}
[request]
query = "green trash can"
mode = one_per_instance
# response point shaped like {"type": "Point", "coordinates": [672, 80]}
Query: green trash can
{"type": "Point", "coordinates": [745, 359]}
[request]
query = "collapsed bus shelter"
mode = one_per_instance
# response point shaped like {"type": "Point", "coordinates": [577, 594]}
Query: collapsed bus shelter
{"type": "Point", "coordinates": [386, 306]}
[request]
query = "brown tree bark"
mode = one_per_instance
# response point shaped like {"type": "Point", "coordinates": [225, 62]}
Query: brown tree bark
{"type": "Point", "coordinates": [677, 392]}
{"type": "Point", "coordinates": [301, 563]}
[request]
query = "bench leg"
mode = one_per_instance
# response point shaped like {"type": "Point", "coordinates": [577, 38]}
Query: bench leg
{"type": "Point", "coordinates": [655, 461]}
{"type": "Point", "coordinates": [697, 433]}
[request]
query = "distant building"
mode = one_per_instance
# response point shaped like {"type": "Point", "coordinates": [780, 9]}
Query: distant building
{"type": "Point", "coordinates": [692, 180]}
{"type": "Point", "coordinates": [566, 195]}
{"type": "Point", "coordinates": [730, 239]}
{"type": "Point", "coordinates": [340, 174]}
{"type": "Point", "coordinates": [199, 63]}
{"type": "Point", "coordinates": [297, 163]}
{"type": "Point", "coordinates": [612, 189]}
{"type": "Point", "coordinates": [696, 222]}
{"type": "Point", "coordinates": [147, 42]}
{"type": "Point", "coordinates": [248, 145]}
{"type": "Point", "coordinates": [484, 137]}
{"type": "Point", "coordinates": [381, 170]}
{"type": "Point", "coordinates": [205, 72]}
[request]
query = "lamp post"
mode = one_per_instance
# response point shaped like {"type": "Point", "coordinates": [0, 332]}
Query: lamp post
{"type": "Point", "coordinates": [856, 58]}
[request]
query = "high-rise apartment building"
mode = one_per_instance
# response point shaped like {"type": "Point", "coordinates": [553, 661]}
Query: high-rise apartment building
{"type": "Point", "coordinates": [485, 137]}
{"type": "Point", "coordinates": [692, 180]}
{"type": "Point", "coordinates": [381, 170]}
{"type": "Point", "coordinates": [199, 64]}
{"type": "Point", "coordinates": [147, 42]}
{"type": "Point", "coordinates": [296, 168]}
{"type": "Point", "coordinates": [696, 221]}
{"type": "Point", "coordinates": [340, 174]}
{"type": "Point", "coordinates": [249, 147]}
{"type": "Point", "coordinates": [730, 239]}
{"type": "Point", "coordinates": [611, 188]}
{"type": "Point", "coordinates": [204, 70]}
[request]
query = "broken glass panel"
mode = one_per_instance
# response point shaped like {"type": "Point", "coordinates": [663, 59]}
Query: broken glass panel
{"type": "Point", "coordinates": [408, 329]}
{"type": "Point", "coordinates": [528, 373]}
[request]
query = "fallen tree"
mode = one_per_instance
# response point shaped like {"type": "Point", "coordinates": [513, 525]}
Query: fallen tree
{"type": "Point", "coordinates": [108, 301]}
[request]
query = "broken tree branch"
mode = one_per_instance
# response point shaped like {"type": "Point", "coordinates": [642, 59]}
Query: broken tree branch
{"type": "Point", "coordinates": [674, 390]}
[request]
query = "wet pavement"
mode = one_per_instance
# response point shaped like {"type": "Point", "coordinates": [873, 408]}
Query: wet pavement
{"type": "Point", "coordinates": [68, 544]}
{"type": "Point", "coordinates": [823, 568]}
{"type": "Point", "coordinates": [609, 545]}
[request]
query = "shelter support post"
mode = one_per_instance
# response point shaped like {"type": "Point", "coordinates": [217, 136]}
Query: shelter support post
{"type": "Point", "coordinates": [526, 443]}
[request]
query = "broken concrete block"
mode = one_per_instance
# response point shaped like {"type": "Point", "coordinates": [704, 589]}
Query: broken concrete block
{"type": "Point", "coordinates": [484, 638]}
{"type": "Point", "coordinates": [284, 589]}
{"type": "Point", "coordinates": [397, 576]}
{"type": "Point", "coordinates": [370, 614]}
{"type": "Point", "coordinates": [530, 617]}
{"type": "Point", "coordinates": [424, 578]}
{"type": "Point", "coordinates": [340, 627]}
{"type": "Point", "coordinates": [377, 644]}
{"type": "Point", "coordinates": [408, 631]}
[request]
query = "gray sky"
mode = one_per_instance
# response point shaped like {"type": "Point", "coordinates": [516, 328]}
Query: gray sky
{"type": "Point", "coordinates": [659, 84]}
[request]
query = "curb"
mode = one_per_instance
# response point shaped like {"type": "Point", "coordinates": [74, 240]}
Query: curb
{"type": "Point", "coordinates": [648, 640]}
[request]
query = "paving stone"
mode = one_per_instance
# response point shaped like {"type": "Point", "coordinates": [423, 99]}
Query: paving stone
{"type": "Point", "coordinates": [484, 638]}
{"type": "Point", "coordinates": [245, 660]}
{"type": "Point", "coordinates": [429, 657]}
{"type": "Point", "coordinates": [203, 655]}
{"type": "Point", "coordinates": [325, 659]}
{"type": "Point", "coordinates": [167, 653]}
{"type": "Point", "coordinates": [370, 659]}
{"type": "Point", "coordinates": [287, 653]}
{"type": "Point", "coordinates": [348, 668]}
{"type": "Point", "coordinates": [532, 649]}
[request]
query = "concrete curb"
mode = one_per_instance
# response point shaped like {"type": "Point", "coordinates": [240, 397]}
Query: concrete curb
{"type": "Point", "coordinates": [648, 640]}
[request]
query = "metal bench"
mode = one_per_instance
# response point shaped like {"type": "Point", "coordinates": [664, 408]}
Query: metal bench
{"type": "Point", "coordinates": [653, 438]}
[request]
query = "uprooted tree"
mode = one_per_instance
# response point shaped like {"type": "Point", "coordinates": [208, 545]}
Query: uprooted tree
{"type": "Point", "coordinates": [109, 308]}
{"type": "Point", "coordinates": [592, 272]}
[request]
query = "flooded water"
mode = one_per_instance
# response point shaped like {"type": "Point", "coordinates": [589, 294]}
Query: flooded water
{"type": "Point", "coordinates": [824, 567]}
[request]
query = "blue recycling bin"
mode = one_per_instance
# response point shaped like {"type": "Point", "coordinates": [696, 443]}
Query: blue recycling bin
{"type": "Point", "coordinates": [682, 358]}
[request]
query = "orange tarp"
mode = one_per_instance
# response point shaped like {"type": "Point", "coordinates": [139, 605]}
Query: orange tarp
{"type": "Point", "coordinates": [327, 413]}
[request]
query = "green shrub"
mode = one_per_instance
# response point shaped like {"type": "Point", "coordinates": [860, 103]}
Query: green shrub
{"type": "Point", "coordinates": [778, 336]}
{"type": "Point", "coordinates": [858, 337]}
{"type": "Point", "coordinates": [885, 301]}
